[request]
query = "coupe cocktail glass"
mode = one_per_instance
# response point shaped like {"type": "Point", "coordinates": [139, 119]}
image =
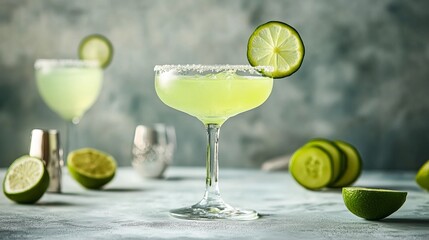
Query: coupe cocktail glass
{"type": "Point", "coordinates": [212, 94]}
{"type": "Point", "coordinates": [69, 88]}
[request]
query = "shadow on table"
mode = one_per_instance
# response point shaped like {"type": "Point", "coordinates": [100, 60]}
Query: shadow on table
{"type": "Point", "coordinates": [335, 190]}
{"type": "Point", "coordinates": [71, 194]}
{"type": "Point", "coordinates": [122, 190]}
{"type": "Point", "coordinates": [416, 222]}
{"type": "Point", "coordinates": [264, 215]}
{"type": "Point", "coordinates": [55, 203]}
{"type": "Point", "coordinates": [182, 178]}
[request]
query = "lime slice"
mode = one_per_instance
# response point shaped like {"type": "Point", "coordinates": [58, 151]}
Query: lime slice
{"type": "Point", "coordinates": [91, 168]}
{"type": "Point", "coordinates": [26, 180]}
{"type": "Point", "coordinates": [311, 167]}
{"type": "Point", "coordinates": [422, 177]}
{"type": "Point", "coordinates": [278, 45]}
{"type": "Point", "coordinates": [372, 204]}
{"type": "Point", "coordinates": [354, 165]}
{"type": "Point", "coordinates": [338, 159]}
{"type": "Point", "coordinates": [96, 47]}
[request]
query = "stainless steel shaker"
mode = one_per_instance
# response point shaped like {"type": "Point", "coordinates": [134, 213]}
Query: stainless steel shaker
{"type": "Point", "coordinates": [45, 144]}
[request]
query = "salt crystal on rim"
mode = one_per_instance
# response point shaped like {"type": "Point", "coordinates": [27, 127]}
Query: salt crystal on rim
{"type": "Point", "coordinates": [212, 68]}
{"type": "Point", "coordinates": [50, 63]}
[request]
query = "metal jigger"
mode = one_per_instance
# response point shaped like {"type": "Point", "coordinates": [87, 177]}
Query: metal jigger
{"type": "Point", "coordinates": [153, 149]}
{"type": "Point", "coordinates": [45, 144]}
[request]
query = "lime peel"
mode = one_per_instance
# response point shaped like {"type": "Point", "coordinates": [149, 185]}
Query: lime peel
{"type": "Point", "coordinates": [91, 168]}
{"type": "Point", "coordinates": [422, 176]}
{"type": "Point", "coordinates": [372, 203]}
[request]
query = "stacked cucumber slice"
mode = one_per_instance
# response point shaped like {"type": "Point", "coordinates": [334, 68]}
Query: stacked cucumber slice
{"type": "Point", "coordinates": [322, 163]}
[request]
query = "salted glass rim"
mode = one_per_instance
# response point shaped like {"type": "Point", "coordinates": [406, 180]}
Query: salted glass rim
{"type": "Point", "coordinates": [65, 63]}
{"type": "Point", "coordinates": [200, 68]}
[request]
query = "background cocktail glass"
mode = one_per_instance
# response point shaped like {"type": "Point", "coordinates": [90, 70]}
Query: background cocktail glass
{"type": "Point", "coordinates": [212, 94]}
{"type": "Point", "coordinates": [69, 88]}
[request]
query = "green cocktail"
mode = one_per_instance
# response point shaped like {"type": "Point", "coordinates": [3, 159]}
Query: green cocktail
{"type": "Point", "coordinates": [212, 94]}
{"type": "Point", "coordinates": [213, 98]}
{"type": "Point", "coordinates": [68, 87]}
{"type": "Point", "coordinates": [69, 91]}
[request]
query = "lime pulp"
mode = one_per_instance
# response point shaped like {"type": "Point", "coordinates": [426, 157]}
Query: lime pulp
{"type": "Point", "coordinates": [276, 44]}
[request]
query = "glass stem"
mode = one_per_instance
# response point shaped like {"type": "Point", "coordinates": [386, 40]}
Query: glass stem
{"type": "Point", "coordinates": [70, 138]}
{"type": "Point", "coordinates": [212, 164]}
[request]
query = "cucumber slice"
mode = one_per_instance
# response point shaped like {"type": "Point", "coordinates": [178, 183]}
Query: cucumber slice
{"type": "Point", "coordinates": [338, 159]}
{"type": "Point", "coordinates": [354, 165]}
{"type": "Point", "coordinates": [311, 167]}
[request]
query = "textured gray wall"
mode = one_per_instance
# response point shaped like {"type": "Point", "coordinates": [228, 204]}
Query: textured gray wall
{"type": "Point", "coordinates": [364, 78]}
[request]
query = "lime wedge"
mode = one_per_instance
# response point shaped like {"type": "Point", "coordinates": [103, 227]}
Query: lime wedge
{"type": "Point", "coordinates": [422, 177]}
{"type": "Point", "coordinates": [91, 168]}
{"type": "Point", "coordinates": [26, 180]}
{"type": "Point", "coordinates": [354, 165]}
{"type": "Point", "coordinates": [96, 47]}
{"type": "Point", "coordinates": [278, 45]}
{"type": "Point", "coordinates": [338, 159]}
{"type": "Point", "coordinates": [311, 167]}
{"type": "Point", "coordinates": [372, 204]}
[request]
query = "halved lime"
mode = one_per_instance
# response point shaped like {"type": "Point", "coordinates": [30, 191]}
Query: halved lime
{"type": "Point", "coordinates": [311, 167]}
{"type": "Point", "coordinates": [96, 47]}
{"type": "Point", "coordinates": [91, 168]}
{"type": "Point", "coordinates": [372, 204]}
{"type": "Point", "coordinates": [26, 180]}
{"type": "Point", "coordinates": [354, 165]}
{"type": "Point", "coordinates": [338, 159]}
{"type": "Point", "coordinates": [422, 177]}
{"type": "Point", "coordinates": [278, 45]}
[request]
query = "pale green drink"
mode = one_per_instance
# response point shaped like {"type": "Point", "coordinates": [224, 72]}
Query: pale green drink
{"type": "Point", "coordinates": [69, 91]}
{"type": "Point", "coordinates": [213, 93]}
{"type": "Point", "coordinates": [213, 98]}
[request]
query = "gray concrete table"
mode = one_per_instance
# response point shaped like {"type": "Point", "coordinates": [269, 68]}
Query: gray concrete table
{"type": "Point", "coordinates": [135, 208]}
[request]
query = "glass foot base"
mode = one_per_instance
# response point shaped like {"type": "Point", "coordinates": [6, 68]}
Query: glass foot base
{"type": "Point", "coordinates": [213, 212]}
